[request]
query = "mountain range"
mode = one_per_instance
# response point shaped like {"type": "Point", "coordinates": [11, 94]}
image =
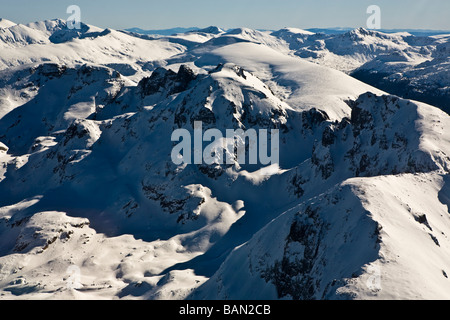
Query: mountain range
{"type": "Point", "coordinates": [93, 207]}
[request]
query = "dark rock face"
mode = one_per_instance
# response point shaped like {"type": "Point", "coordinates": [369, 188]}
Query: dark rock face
{"type": "Point", "coordinates": [361, 119]}
{"type": "Point", "coordinates": [328, 137]}
{"type": "Point", "coordinates": [164, 80]}
{"type": "Point", "coordinates": [159, 78]}
{"type": "Point", "coordinates": [50, 70]}
{"type": "Point", "coordinates": [184, 77]}
{"type": "Point", "coordinates": [177, 205]}
{"type": "Point", "coordinates": [75, 130]}
{"type": "Point", "coordinates": [204, 115]}
{"type": "Point", "coordinates": [295, 185]}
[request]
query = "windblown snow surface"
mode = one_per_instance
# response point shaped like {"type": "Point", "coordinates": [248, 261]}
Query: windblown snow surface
{"type": "Point", "coordinates": [92, 206]}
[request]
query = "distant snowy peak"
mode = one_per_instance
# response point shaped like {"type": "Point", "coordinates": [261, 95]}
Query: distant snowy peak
{"type": "Point", "coordinates": [247, 33]}
{"type": "Point", "coordinates": [255, 36]}
{"type": "Point", "coordinates": [413, 67]}
{"type": "Point", "coordinates": [58, 30]}
{"type": "Point", "coordinates": [296, 30]}
{"type": "Point", "coordinates": [362, 32]}
{"type": "Point", "coordinates": [21, 35]}
{"type": "Point", "coordinates": [56, 25]}
{"type": "Point", "coordinates": [132, 56]}
{"type": "Point", "coordinates": [290, 33]}
{"type": "Point", "coordinates": [348, 51]}
{"type": "Point", "coordinates": [4, 23]}
{"type": "Point", "coordinates": [44, 32]}
{"type": "Point", "coordinates": [161, 32]}
{"type": "Point", "coordinates": [51, 26]}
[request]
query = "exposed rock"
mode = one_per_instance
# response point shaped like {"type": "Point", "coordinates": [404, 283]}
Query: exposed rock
{"type": "Point", "coordinates": [167, 81]}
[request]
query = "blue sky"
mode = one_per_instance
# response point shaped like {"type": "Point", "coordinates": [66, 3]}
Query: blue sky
{"type": "Point", "coordinates": [261, 14]}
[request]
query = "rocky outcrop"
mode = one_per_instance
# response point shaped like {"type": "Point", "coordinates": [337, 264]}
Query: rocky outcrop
{"type": "Point", "coordinates": [166, 81]}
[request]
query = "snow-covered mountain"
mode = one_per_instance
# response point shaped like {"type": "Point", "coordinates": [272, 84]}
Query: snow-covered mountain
{"type": "Point", "coordinates": [414, 67]}
{"type": "Point", "coordinates": [23, 45]}
{"type": "Point", "coordinates": [93, 207]}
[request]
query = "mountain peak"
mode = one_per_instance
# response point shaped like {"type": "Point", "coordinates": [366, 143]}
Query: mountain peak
{"type": "Point", "coordinates": [4, 23]}
{"type": "Point", "coordinates": [363, 32]}
{"type": "Point", "coordinates": [242, 31]}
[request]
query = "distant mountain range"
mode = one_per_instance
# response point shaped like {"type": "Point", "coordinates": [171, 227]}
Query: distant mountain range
{"type": "Point", "coordinates": [416, 32]}
{"type": "Point", "coordinates": [163, 32]}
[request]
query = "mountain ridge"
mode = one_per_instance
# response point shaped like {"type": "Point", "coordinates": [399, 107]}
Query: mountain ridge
{"type": "Point", "coordinates": [355, 208]}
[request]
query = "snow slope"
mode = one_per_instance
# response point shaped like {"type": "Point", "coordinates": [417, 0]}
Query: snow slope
{"type": "Point", "coordinates": [4, 23]}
